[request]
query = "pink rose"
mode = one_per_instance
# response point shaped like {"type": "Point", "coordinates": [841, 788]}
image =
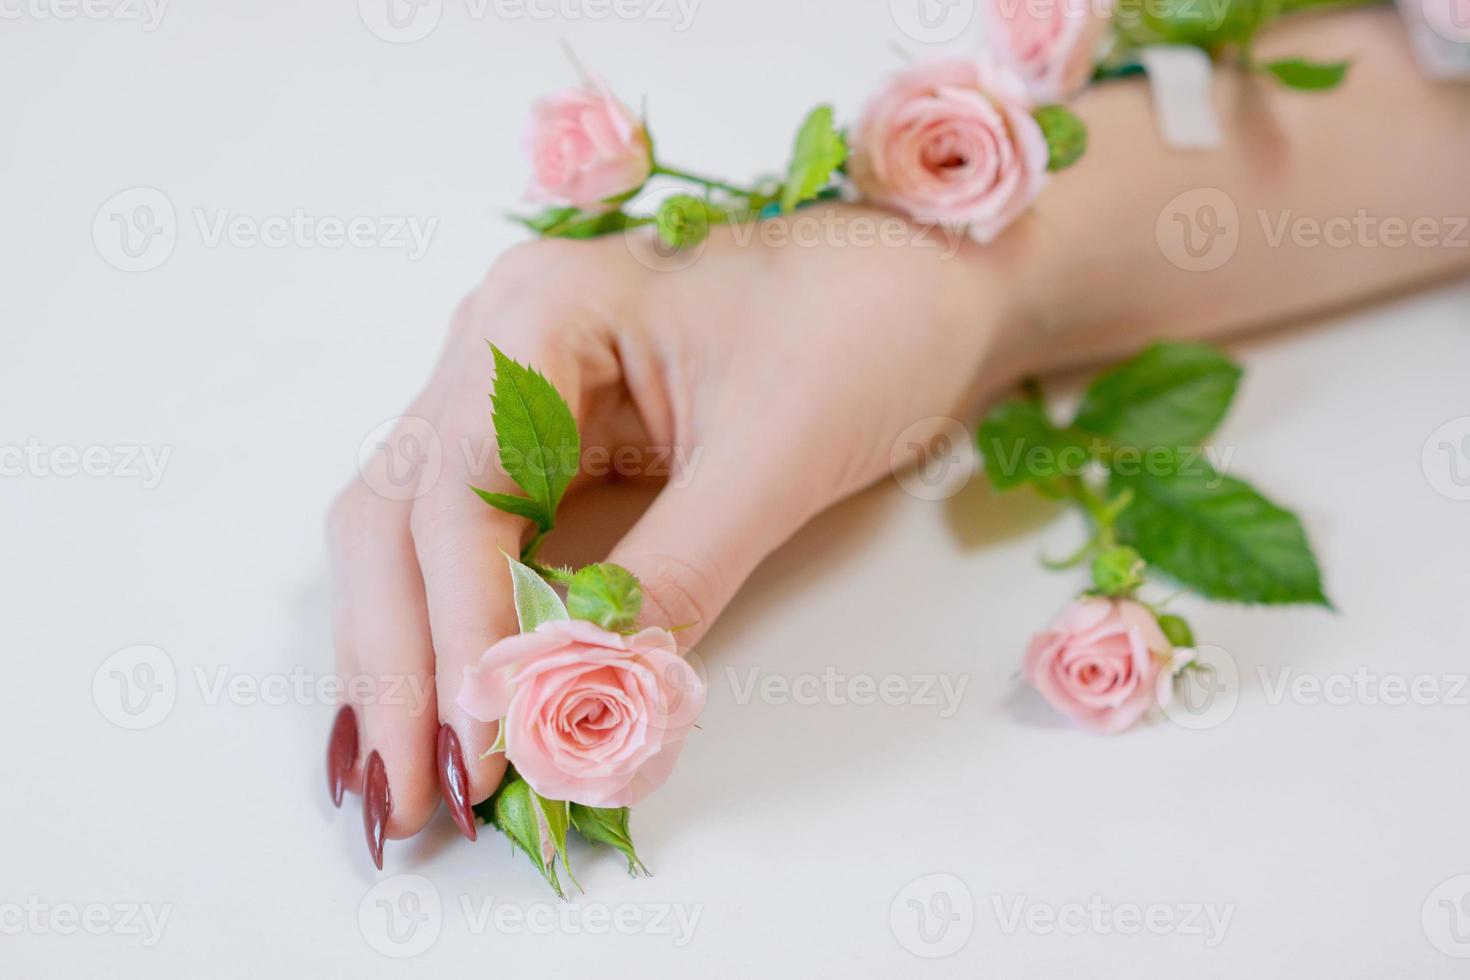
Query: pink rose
{"type": "Point", "coordinates": [952, 141]}
{"type": "Point", "coordinates": [1051, 44]}
{"type": "Point", "coordinates": [1098, 661]}
{"type": "Point", "coordinates": [587, 715]}
{"type": "Point", "coordinates": [585, 147]}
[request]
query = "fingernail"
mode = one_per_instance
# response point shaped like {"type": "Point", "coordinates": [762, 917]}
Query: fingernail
{"type": "Point", "coordinates": [454, 781]}
{"type": "Point", "coordinates": [341, 752]}
{"type": "Point", "coordinates": [377, 805]}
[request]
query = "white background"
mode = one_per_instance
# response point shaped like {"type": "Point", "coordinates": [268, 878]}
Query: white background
{"type": "Point", "coordinates": [791, 830]}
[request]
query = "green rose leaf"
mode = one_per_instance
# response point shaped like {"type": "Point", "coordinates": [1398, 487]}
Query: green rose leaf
{"type": "Point", "coordinates": [606, 594]}
{"type": "Point", "coordinates": [602, 825]}
{"type": "Point", "coordinates": [1310, 76]}
{"type": "Point", "coordinates": [819, 151]}
{"type": "Point", "coordinates": [1219, 536]}
{"type": "Point", "coordinates": [1172, 395]}
{"type": "Point", "coordinates": [1066, 136]}
{"type": "Point", "coordinates": [536, 602]}
{"type": "Point", "coordinates": [1021, 445]}
{"type": "Point", "coordinates": [520, 816]}
{"type": "Point", "coordinates": [566, 222]}
{"type": "Point", "coordinates": [538, 441]}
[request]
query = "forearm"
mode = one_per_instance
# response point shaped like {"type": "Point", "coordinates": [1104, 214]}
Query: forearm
{"type": "Point", "coordinates": [1377, 166]}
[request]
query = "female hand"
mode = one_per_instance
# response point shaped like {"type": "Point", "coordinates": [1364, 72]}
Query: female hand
{"type": "Point", "coordinates": [781, 372]}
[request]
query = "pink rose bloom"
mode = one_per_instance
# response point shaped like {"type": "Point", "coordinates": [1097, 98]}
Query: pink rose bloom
{"type": "Point", "coordinates": [587, 715]}
{"type": "Point", "coordinates": [1098, 661]}
{"type": "Point", "coordinates": [1051, 44]}
{"type": "Point", "coordinates": [952, 141]}
{"type": "Point", "coordinates": [585, 147]}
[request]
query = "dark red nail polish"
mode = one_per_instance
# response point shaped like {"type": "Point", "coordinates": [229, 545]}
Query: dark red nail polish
{"type": "Point", "coordinates": [454, 781]}
{"type": "Point", "coordinates": [377, 805]}
{"type": "Point", "coordinates": [341, 752]}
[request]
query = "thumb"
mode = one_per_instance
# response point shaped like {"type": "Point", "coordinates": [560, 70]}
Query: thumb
{"type": "Point", "coordinates": [703, 536]}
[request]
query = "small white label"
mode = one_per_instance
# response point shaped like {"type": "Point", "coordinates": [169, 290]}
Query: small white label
{"type": "Point", "coordinates": [1180, 79]}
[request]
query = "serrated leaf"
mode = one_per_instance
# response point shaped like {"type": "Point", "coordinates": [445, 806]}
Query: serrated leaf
{"type": "Point", "coordinates": [536, 601]}
{"type": "Point", "coordinates": [538, 441]}
{"type": "Point", "coordinates": [604, 825]}
{"type": "Point", "coordinates": [519, 506]}
{"type": "Point", "coordinates": [518, 816]}
{"type": "Point", "coordinates": [1310, 76]}
{"type": "Point", "coordinates": [1021, 445]}
{"type": "Point", "coordinates": [1219, 536]}
{"type": "Point", "coordinates": [819, 151]}
{"type": "Point", "coordinates": [1172, 395]}
{"type": "Point", "coordinates": [606, 594]}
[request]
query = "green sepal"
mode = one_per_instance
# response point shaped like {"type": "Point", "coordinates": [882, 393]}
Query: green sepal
{"type": "Point", "coordinates": [604, 825]}
{"type": "Point", "coordinates": [536, 601]}
{"type": "Point", "coordinates": [1117, 572]}
{"type": "Point", "coordinates": [1176, 630]}
{"type": "Point", "coordinates": [519, 816]}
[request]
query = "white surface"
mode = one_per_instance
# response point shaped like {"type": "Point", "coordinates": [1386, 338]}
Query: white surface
{"type": "Point", "coordinates": [791, 829]}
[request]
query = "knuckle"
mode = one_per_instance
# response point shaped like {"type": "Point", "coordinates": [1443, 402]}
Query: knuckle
{"type": "Point", "coordinates": [351, 514]}
{"type": "Point", "coordinates": [685, 591]}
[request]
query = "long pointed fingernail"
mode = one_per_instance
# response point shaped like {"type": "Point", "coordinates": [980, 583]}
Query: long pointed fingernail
{"type": "Point", "coordinates": [377, 805]}
{"type": "Point", "coordinates": [341, 752]}
{"type": "Point", "coordinates": [454, 782]}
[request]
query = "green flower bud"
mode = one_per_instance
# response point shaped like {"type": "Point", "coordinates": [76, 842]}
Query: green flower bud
{"type": "Point", "coordinates": [1177, 630]}
{"type": "Point", "coordinates": [1066, 136]}
{"type": "Point", "coordinates": [682, 221]}
{"type": "Point", "coordinates": [1117, 571]}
